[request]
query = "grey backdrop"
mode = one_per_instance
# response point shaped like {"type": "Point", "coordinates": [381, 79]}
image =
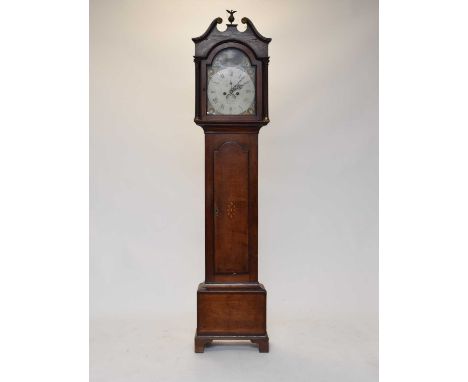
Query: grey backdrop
{"type": "Point", "coordinates": [318, 191]}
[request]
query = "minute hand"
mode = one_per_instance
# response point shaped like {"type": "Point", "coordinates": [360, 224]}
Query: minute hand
{"type": "Point", "coordinates": [238, 86]}
{"type": "Point", "coordinates": [235, 87]}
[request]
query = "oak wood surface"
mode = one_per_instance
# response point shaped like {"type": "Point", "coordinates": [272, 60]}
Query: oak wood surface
{"type": "Point", "coordinates": [231, 241]}
{"type": "Point", "coordinates": [231, 208]}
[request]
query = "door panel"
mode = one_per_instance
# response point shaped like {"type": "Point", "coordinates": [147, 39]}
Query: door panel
{"type": "Point", "coordinates": [231, 202]}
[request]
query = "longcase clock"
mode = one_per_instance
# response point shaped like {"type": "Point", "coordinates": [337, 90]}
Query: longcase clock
{"type": "Point", "coordinates": [231, 105]}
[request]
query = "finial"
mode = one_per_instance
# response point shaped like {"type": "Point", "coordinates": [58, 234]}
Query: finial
{"type": "Point", "coordinates": [231, 15]}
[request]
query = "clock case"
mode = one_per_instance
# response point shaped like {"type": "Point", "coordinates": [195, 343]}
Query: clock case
{"type": "Point", "coordinates": [231, 303]}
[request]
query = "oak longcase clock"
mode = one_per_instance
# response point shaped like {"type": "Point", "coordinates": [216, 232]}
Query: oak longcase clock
{"type": "Point", "coordinates": [231, 105]}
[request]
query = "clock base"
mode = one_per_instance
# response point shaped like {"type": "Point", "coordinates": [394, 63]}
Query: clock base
{"type": "Point", "coordinates": [202, 341]}
{"type": "Point", "coordinates": [235, 311]}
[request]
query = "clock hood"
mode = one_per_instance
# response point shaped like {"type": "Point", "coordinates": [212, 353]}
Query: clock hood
{"type": "Point", "coordinates": [213, 36]}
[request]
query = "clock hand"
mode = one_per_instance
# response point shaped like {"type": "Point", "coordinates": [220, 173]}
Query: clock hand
{"type": "Point", "coordinates": [238, 82]}
{"type": "Point", "coordinates": [240, 86]}
{"type": "Point", "coordinates": [235, 87]}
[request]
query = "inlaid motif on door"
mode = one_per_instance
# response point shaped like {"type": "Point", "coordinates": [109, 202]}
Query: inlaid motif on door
{"type": "Point", "coordinates": [231, 191]}
{"type": "Point", "coordinates": [231, 209]}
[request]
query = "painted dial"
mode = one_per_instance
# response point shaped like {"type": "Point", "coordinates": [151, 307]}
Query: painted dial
{"type": "Point", "coordinates": [231, 91]}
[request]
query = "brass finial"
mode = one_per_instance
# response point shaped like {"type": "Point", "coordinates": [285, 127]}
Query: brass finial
{"type": "Point", "coordinates": [231, 15]}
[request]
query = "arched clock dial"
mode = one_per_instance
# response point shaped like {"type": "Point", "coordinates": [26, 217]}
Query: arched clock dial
{"type": "Point", "coordinates": [231, 91]}
{"type": "Point", "coordinates": [231, 84]}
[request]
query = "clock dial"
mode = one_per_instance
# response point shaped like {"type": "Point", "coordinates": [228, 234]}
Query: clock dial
{"type": "Point", "coordinates": [231, 84]}
{"type": "Point", "coordinates": [231, 91]}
